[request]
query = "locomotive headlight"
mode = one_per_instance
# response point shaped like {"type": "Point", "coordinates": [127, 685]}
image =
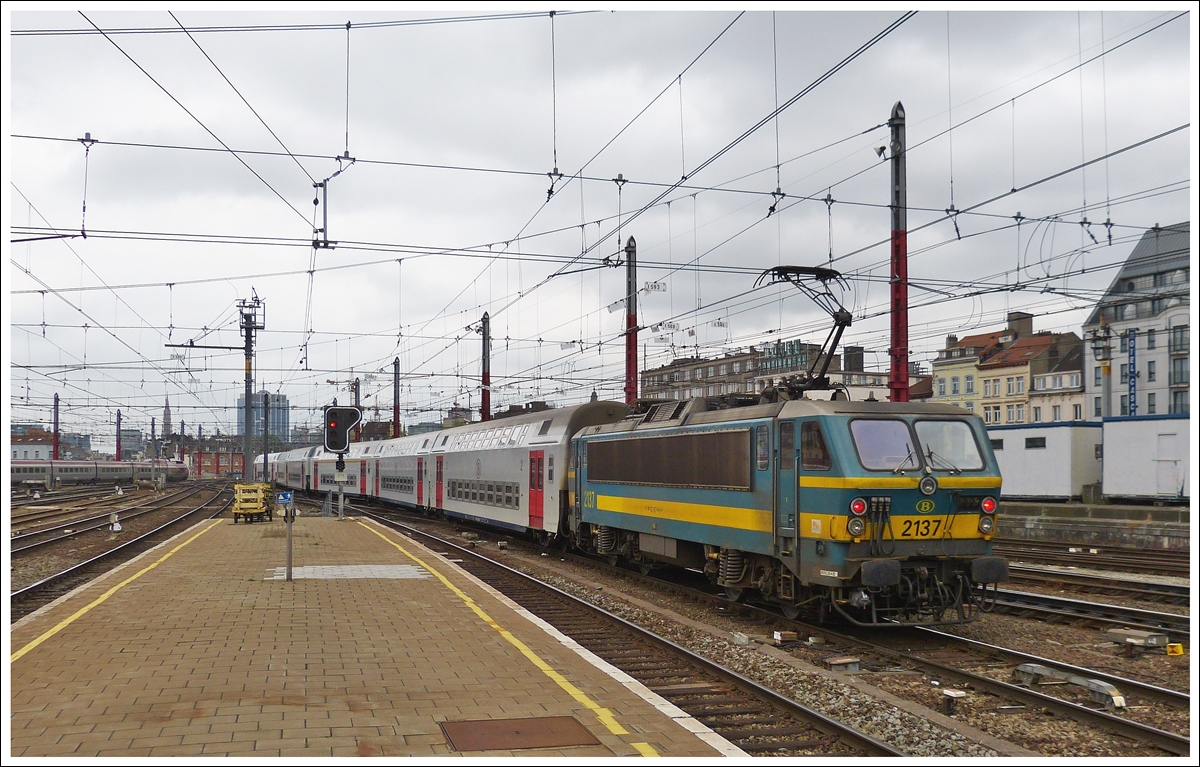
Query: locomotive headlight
{"type": "Point", "coordinates": [987, 524]}
{"type": "Point", "coordinates": [858, 507]}
{"type": "Point", "coordinates": [856, 526]}
{"type": "Point", "coordinates": [988, 505]}
{"type": "Point", "coordinates": [928, 485]}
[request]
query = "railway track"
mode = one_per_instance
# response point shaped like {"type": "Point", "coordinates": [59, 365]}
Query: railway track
{"type": "Point", "coordinates": [1125, 559]}
{"type": "Point", "coordinates": [33, 539]}
{"type": "Point", "coordinates": [1163, 593]}
{"type": "Point", "coordinates": [28, 599]}
{"type": "Point", "coordinates": [1081, 613]}
{"type": "Point", "coordinates": [49, 497]}
{"type": "Point", "coordinates": [752, 717]}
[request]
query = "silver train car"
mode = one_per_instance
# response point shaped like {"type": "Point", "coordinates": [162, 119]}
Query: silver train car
{"type": "Point", "coordinates": [509, 473]}
{"type": "Point", "coordinates": [51, 474]}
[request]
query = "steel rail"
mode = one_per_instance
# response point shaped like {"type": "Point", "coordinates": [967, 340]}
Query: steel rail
{"type": "Point", "coordinates": [1174, 624]}
{"type": "Point", "coordinates": [88, 524]}
{"type": "Point", "coordinates": [844, 733]}
{"type": "Point", "coordinates": [1162, 694]}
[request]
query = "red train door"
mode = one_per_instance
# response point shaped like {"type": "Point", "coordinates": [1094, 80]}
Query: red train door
{"type": "Point", "coordinates": [420, 481]}
{"type": "Point", "coordinates": [376, 477]}
{"type": "Point", "coordinates": [438, 486]}
{"type": "Point", "coordinates": [536, 467]}
{"type": "Point", "coordinates": [362, 477]}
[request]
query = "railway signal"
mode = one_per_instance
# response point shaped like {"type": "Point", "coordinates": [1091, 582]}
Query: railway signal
{"type": "Point", "coordinates": [338, 423]}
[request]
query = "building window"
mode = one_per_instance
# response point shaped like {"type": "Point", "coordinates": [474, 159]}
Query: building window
{"type": "Point", "coordinates": [1179, 339]}
{"type": "Point", "coordinates": [1124, 343]}
{"type": "Point", "coordinates": [687, 375]}
{"type": "Point", "coordinates": [941, 387]}
{"type": "Point", "coordinates": [1078, 414]}
{"type": "Point", "coordinates": [1037, 415]}
{"type": "Point", "coordinates": [1074, 380]}
{"type": "Point", "coordinates": [1124, 374]}
{"type": "Point", "coordinates": [971, 407]}
{"type": "Point", "coordinates": [1057, 382]}
{"type": "Point", "coordinates": [699, 373]}
{"type": "Point", "coordinates": [969, 384]}
{"type": "Point", "coordinates": [1058, 412]}
{"type": "Point", "coordinates": [1099, 411]}
{"type": "Point", "coordinates": [954, 384]}
{"type": "Point", "coordinates": [710, 371]}
{"type": "Point", "coordinates": [1021, 413]}
{"type": "Point", "coordinates": [1150, 337]}
{"type": "Point", "coordinates": [1179, 371]}
{"type": "Point", "coordinates": [1151, 403]}
{"type": "Point", "coordinates": [1179, 402]}
{"type": "Point", "coordinates": [1098, 382]}
{"type": "Point", "coordinates": [987, 387]}
{"type": "Point", "coordinates": [1151, 371]}
{"type": "Point", "coordinates": [1012, 385]}
{"type": "Point", "coordinates": [1124, 404]}
{"type": "Point", "coordinates": [737, 367]}
{"type": "Point", "coordinates": [1011, 412]}
{"type": "Point", "coordinates": [1021, 385]}
{"type": "Point", "coordinates": [997, 444]}
{"type": "Point", "coordinates": [26, 453]}
{"type": "Point", "coordinates": [1035, 443]}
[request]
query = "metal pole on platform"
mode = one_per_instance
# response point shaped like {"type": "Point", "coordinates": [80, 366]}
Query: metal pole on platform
{"type": "Point", "coordinates": [341, 504]}
{"type": "Point", "coordinates": [288, 513]}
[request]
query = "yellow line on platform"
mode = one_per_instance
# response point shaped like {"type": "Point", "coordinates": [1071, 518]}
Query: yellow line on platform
{"type": "Point", "coordinates": [100, 599]}
{"type": "Point", "coordinates": [603, 714]}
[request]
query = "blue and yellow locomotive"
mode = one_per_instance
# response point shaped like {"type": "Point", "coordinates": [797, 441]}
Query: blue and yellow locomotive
{"type": "Point", "coordinates": [880, 512]}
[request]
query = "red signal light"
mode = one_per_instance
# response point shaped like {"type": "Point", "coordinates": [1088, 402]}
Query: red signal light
{"type": "Point", "coordinates": [988, 505]}
{"type": "Point", "coordinates": [858, 507]}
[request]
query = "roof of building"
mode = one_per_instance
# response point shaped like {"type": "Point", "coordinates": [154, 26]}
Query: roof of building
{"type": "Point", "coordinates": [921, 389]}
{"type": "Point", "coordinates": [1160, 249]}
{"type": "Point", "coordinates": [1025, 350]}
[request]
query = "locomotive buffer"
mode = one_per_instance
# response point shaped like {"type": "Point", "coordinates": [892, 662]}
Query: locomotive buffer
{"type": "Point", "coordinates": [338, 423]}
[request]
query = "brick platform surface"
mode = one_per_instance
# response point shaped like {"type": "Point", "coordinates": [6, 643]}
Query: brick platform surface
{"type": "Point", "coordinates": [210, 652]}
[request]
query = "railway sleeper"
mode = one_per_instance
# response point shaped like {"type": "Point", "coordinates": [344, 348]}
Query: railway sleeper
{"type": "Point", "coordinates": [788, 745]}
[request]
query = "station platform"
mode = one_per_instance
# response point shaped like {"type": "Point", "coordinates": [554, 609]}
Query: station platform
{"type": "Point", "coordinates": [377, 647]}
{"type": "Point", "coordinates": [1165, 527]}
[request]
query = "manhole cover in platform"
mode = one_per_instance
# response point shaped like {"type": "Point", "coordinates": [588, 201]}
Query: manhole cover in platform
{"type": "Point", "coordinates": [510, 734]}
{"type": "Point", "coordinates": [337, 572]}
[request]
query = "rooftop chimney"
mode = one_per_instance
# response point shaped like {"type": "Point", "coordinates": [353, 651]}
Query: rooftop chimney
{"type": "Point", "coordinates": [1020, 323]}
{"type": "Point", "coordinates": [951, 341]}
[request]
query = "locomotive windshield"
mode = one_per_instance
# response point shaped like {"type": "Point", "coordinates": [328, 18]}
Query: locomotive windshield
{"type": "Point", "coordinates": [884, 445]}
{"type": "Point", "coordinates": [949, 445]}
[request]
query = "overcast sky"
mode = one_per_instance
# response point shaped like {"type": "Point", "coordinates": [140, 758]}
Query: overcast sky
{"type": "Point", "coordinates": [455, 129]}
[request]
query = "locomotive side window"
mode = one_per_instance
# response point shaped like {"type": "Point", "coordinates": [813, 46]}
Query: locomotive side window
{"type": "Point", "coordinates": [763, 447]}
{"type": "Point", "coordinates": [813, 453]}
{"type": "Point", "coordinates": [787, 446]}
{"type": "Point", "coordinates": [949, 445]}
{"type": "Point", "coordinates": [884, 445]}
{"type": "Point", "coordinates": [718, 459]}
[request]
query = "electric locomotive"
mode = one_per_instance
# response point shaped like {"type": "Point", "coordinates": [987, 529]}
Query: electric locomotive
{"type": "Point", "coordinates": [882, 513]}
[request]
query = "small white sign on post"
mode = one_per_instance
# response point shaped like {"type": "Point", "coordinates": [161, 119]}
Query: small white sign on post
{"type": "Point", "coordinates": [656, 287]}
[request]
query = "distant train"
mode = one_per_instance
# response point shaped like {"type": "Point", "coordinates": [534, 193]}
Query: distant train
{"type": "Point", "coordinates": [882, 513]}
{"type": "Point", "coordinates": [51, 474]}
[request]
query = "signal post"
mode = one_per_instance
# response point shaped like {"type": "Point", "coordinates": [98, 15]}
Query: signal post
{"type": "Point", "coordinates": [338, 423]}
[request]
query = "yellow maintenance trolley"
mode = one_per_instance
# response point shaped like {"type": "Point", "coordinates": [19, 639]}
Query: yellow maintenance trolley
{"type": "Point", "coordinates": [253, 502]}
